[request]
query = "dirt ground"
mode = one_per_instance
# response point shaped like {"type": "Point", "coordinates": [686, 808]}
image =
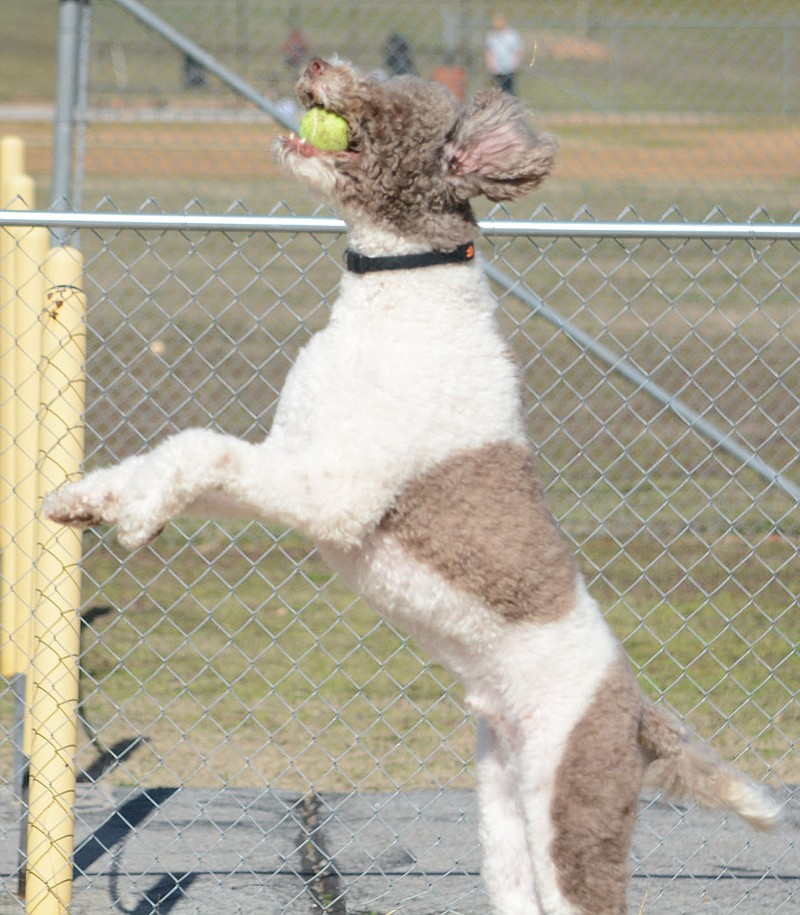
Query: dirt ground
{"type": "Point", "coordinates": [599, 149]}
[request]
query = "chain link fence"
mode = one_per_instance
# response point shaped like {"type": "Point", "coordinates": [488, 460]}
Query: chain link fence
{"type": "Point", "coordinates": [586, 55]}
{"type": "Point", "coordinates": [254, 738]}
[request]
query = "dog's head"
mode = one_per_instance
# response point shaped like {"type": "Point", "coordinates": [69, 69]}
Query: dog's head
{"type": "Point", "coordinates": [417, 155]}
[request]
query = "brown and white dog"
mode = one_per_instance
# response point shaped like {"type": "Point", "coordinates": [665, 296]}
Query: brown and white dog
{"type": "Point", "coordinates": [399, 445]}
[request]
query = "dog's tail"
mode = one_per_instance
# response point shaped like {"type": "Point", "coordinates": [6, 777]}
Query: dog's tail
{"type": "Point", "coordinates": [685, 768]}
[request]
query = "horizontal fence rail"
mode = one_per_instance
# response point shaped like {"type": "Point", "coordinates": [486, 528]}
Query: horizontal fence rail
{"type": "Point", "coordinates": [252, 737]}
{"type": "Point", "coordinates": [491, 227]}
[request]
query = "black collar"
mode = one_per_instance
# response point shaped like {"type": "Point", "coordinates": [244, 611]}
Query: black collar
{"type": "Point", "coordinates": [360, 263]}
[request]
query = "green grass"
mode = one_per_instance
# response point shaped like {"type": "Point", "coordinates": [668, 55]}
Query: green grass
{"type": "Point", "coordinates": [27, 59]}
{"type": "Point", "coordinates": [277, 672]}
{"type": "Point", "coordinates": [279, 676]}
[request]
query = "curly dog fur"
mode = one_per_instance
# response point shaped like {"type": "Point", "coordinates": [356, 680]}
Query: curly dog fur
{"type": "Point", "coordinates": [399, 445]}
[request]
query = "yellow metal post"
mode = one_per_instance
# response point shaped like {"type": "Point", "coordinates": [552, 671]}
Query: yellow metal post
{"type": "Point", "coordinates": [12, 165]}
{"type": "Point", "coordinates": [57, 622]}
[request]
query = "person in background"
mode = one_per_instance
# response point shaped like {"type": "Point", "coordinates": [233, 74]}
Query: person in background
{"type": "Point", "coordinates": [295, 48]}
{"type": "Point", "coordinates": [503, 54]}
{"type": "Point", "coordinates": [398, 58]}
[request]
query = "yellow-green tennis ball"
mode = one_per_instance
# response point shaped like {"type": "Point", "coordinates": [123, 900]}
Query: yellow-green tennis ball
{"type": "Point", "coordinates": [325, 130]}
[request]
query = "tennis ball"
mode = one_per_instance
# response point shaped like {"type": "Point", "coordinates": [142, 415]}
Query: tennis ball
{"type": "Point", "coordinates": [325, 130]}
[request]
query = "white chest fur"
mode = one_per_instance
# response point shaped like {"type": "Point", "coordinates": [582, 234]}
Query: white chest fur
{"type": "Point", "coordinates": [410, 369]}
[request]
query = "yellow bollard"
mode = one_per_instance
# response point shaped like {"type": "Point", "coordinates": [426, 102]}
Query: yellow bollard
{"type": "Point", "coordinates": [12, 165]}
{"type": "Point", "coordinates": [54, 670]}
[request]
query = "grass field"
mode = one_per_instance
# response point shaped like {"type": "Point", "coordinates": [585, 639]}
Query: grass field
{"type": "Point", "coordinates": [235, 654]}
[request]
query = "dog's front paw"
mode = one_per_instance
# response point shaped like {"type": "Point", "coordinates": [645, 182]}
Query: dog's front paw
{"type": "Point", "coordinates": [144, 512]}
{"type": "Point", "coordinates": [82, 504]}
{"type": "Point", "coordinates": [124, 495]}
{"type": "Point", "coordinates": [136, 529]}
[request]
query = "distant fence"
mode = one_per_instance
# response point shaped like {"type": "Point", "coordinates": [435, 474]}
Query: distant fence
{"type": "Point", "coordinates": [581, 56]}
{"type": "Point", "coordinates": [661, 363]}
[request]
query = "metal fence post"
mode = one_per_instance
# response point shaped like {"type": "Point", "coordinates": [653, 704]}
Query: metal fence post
{"type": "Point", "coordinates": [66, 96]}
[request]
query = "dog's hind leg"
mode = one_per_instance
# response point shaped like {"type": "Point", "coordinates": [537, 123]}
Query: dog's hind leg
{"type": "Point", "coordinates": [506, 867]}
{"type": "Point", "coordinates": [515, 785]}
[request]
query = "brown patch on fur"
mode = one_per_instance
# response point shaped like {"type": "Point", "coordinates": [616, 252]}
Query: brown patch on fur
{"type": "Point", "coordinates": [595, 797]}
{"type": "Point", "coordinates": [480, 520]}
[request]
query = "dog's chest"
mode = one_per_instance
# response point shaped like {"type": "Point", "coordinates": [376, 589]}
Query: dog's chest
{"type": "Point", "coordinates": [405, 373]}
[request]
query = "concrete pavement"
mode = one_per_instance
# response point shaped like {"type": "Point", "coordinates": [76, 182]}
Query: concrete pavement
{"type": "Point", "coordinates": [191, 851]}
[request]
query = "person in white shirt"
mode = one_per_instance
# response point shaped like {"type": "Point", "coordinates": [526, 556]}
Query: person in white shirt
{"type": "Point", "coordinates": [503, 54]}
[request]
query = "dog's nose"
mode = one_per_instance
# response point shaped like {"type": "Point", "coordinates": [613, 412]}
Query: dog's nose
{"type": "Point", "coordinates": [317, 67]}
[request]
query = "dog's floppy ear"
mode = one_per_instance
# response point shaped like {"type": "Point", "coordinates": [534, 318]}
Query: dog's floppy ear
{"type": "Point", "coordinates": [494, 151]}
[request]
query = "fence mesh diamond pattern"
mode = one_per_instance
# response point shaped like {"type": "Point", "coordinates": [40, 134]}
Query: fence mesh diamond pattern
{"type": "Point", "coordinates": [248, 725]}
